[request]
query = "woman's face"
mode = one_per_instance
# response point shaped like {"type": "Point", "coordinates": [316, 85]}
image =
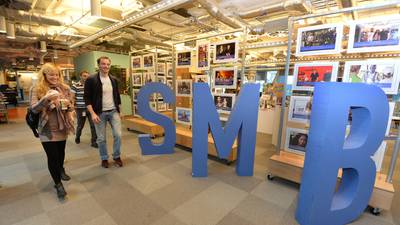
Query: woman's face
{"type": "Point", "coordinates": [52, 77]}
{"type": "Point", "coordinates": [302, 141]}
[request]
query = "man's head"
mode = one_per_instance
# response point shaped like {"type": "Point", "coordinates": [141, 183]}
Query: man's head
{"type": "Point", "coordinates": [84, 75]}
{"type": "Point", "coordinates": [104, 64]}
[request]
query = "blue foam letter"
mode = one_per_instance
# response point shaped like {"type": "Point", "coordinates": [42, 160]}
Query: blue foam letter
{"type": "Point", "coordinates": [144, 110]}
{"type": "Point", "coordinates": [328, 150]}
{"type": "Point", "coordinates": [242, 123]}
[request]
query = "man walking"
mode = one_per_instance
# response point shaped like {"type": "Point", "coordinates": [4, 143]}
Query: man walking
{"type": "Point", "coordinates": [81, 111]}
{"type": "Point", "coordinates": [103, 103]}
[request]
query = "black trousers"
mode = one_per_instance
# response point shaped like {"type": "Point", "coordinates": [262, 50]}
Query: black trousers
{"type": "Point", "coordinates": [55, 151]}
{"type": "Point", "coordinates": [81, 123]}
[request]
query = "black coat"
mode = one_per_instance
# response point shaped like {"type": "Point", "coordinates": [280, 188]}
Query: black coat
{"type": "Point", "coordinates": [94, 93]}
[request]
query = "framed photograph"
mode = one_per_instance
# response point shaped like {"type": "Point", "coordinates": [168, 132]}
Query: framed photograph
{"type": "Point", "coordinates": [203, 55]}
{"type": "Point", "coordinates": [226, 51]}
{"type": "Point", "coordinates": [135, 94]}
{"type": "Point", "coordinates": [224, 102]}
{"type": "Point", "coordinates": [169, 70]}
{"type": "Point", "coordinates": [375, 35]}
{"type": "Point", "coordinates": [296, 140]}
{"type": "Point", "coordinates": [184, 115]}
{"type": "Point", "coordinates": [162, 107]}
{"type": "Point", "coordinates": [136, 62]}
{"type": "Point", "coordinates": [169, 83]}
{"type": "Point", "coordinates": [184, 59]}
{"type": "Point", "coordinates": [153, 106]}
{"type": "Point", "coordinates": [137, 80]}
{"type": "Point", "coordinates": [201, 79]}
{"type": "Point", "coordinates": [306, 74]}
{"type": "Point", "coordinates": [161, 68]}
{"type": "Point", "coordinates": [161, 79]}
{"type": "Point", "coordinates": [300, 109]}
{"type": "Point", "coordinates": [225, 77]}
{"type": "Point", "coordinates": [382, 73]}
{"type": "Point", "coordinates": [148, 77]}
{"type": "Point", "coordinates": [319, 40]}
{"type": "Point", "coordinates": [184, 88]}
{"type": "Point", "coordinates": [148, 61]}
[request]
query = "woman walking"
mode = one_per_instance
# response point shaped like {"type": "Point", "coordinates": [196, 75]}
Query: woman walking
{"type": "Point", "coordinates": [52, 99]}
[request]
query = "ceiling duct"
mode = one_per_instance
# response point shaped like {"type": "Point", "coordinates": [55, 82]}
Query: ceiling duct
{"type": "Point", "coordinates": [3, 24]}
{"type": "Point", "coordinates": [289, 5]}
{"type": "Point", "coordinates": [166, 21]}
{"type": "Point", "coordinates": [95, 8]}
{"type": "Point", "coordinates": [147, 12]}
{"type": "Point", "coordinates": [10, 30]}
{"type": "Point", "coordinates": [214, 11]}
{"type": "Point", "coordinates": [147, 39]}
{"type": "Point", "coordinates": [19, 15]}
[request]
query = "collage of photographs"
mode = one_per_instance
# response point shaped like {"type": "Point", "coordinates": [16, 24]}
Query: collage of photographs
{"type": "Point", "coordinates": [219, 78]}
{"type": "Point", "coordinates": [145, 70]}
{"type": "Point", "coordinates": [365, 36]}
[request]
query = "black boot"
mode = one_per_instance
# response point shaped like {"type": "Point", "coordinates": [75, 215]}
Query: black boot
{"type": "Point", "coordinates": [61, 193]}
{"type": "Point", "coordinates": [64, 176]}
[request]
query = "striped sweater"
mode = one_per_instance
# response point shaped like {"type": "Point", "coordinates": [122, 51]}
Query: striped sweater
{"type": "Point", "coordinates": [78, 90]}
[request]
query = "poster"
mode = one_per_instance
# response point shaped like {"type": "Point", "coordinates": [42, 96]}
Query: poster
{"type": "Point", "coordinates": [201, 79]}
{"type": "Point", "coordinates": [225, 77]}
{"type": "Point", "coordinates": [319, 40]}
{"type": "Point", "coordinates": [306, 74]}
{"type": "Point", "coordinates": [183, 59]}
{"type": "Point", "coordinates": [183, 115]}
{"type": "Point", "coordinates": [224, 102]}
{"type": "Point", "coordinates": [382, 73]}
{"type": "Point", "coordinates": [137, 80]}
{"type": "Point", "coordinates": [136, 62]}
{"type": "Point", "coordinates": [376, 35]}
{"type": "Point", "coordinates": [226, 51]}
{"type": "Point", "coordinates": [300, 109]}
{"type": "Point", "coordinates": [203, 55]}
{"type": "Point", "coordinates": [296, 140]}
{"type": "Point", "coordinates": [148, 61]}
{"type": "Point", "coordinates": [184, 88]}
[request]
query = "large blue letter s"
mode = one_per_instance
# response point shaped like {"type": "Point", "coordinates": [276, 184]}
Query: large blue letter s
{"type": "Point", "coordinates": [148, 148]}
{"type": "Point", "coordinates": [328, 150]}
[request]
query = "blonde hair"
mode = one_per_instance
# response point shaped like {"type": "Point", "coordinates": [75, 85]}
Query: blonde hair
{"type": "Point", "coordinates": [42, 86]}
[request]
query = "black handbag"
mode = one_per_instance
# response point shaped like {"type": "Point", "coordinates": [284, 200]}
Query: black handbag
{"type": "Point", "coordinates": [32, 119]}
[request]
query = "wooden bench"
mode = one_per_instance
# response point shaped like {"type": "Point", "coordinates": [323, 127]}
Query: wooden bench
{"type": "Point", "coordinates": [184, 138]}
{"type": "Point", "coordinates": [144, 126]}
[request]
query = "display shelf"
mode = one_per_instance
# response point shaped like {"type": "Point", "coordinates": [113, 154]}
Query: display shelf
{"type": "Point", "coordinates": [184, 138]}
{"type": "Point", "coordinates": [290, 167]}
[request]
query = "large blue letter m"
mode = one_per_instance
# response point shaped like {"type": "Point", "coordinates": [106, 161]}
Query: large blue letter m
{"type": "Point", "coordinates": [242, 123]}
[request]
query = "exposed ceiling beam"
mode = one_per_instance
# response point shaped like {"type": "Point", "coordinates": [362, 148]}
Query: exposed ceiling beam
{"type": "Point", "coordinates": [147, 12]}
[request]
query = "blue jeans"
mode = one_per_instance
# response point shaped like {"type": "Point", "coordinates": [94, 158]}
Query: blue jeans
{"type": "Point", "coordinates": [115, 121]}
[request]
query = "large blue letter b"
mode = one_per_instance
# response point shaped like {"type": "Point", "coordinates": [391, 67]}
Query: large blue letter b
{"type": "Point", "coordinates": [328, 151]}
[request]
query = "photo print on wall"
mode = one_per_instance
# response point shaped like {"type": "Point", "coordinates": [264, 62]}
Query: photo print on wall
{"type": "Point", "coordinates": [169, 70]}
{"type": "Point", "coordinates": [201, 79]}
{"type": "Point", "coordinates": [226, 51]}
{"type": "Point", "coordinates": [382, 73]}
{"type": "Point", "coordinates": [300, 109]}
{"type": "Point", "coordinates": [374, 35]}
{"type": "Point", "coordinates": [319, 40]}
{"type": "Point", "coordinates": [183, 59]}
{"type": "Point", "coordinates": [225, 77]}
{"type": "Point", "coordinates": [296, 140]}
{"type": "Point", "coordinates": [224, 102]}
{"type": "Point", "coordinates": [184, 115]}
{"type": "Point", "coordinates": [306, 74]}
{"type": "Point", "coordinates": [184, 88]}
{"type": "Point", "coordinates": [137, 80]}
{"type": "Point", "coordinates": [136, 62]}
{"type": "Point", "coordinates": [148, 61]}
{"type": "Point", "coordinates": [161, 68]}
{"type": "Point", "coordinates": [203, 55]}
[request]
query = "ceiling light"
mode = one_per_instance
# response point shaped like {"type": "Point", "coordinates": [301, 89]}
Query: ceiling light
{"type": "Point", "coordinates": [3, 25]}
{"type": "Point", "coordinates": [10, 30]}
